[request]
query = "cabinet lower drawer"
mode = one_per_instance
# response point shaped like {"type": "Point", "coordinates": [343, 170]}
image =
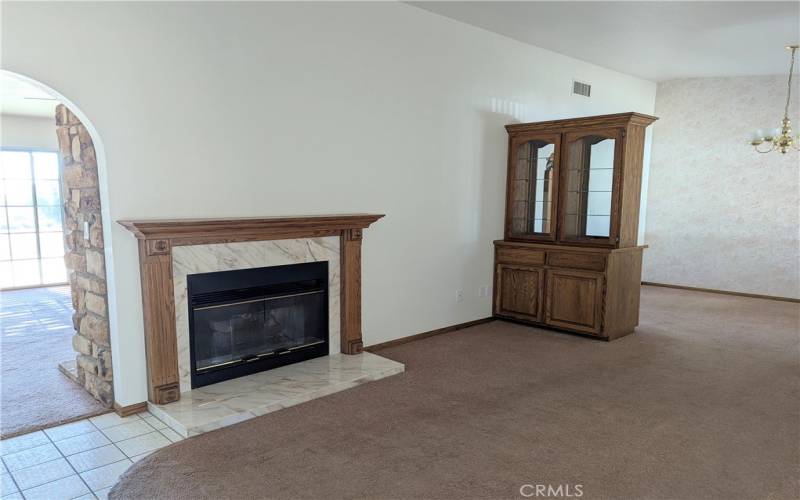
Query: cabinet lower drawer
{"type": "Point", "coordinates": [522, 256]}
{"type": "Point", "coordinates": [577, 260]}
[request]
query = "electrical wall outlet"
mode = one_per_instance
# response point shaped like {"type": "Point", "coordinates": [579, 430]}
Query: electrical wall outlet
{"type": "Point", "coordinates": [460, 295]}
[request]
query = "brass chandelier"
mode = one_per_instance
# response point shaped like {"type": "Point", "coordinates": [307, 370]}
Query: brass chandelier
{"type": "Point", "coordinates": [779, 139]}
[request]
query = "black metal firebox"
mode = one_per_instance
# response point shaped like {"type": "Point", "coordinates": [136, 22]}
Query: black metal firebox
{"type": "Point", "coordinates": [250, 320]}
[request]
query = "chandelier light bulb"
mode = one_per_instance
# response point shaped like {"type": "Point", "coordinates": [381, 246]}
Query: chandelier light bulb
{"type": "Point", "coordinates": [781, 138]}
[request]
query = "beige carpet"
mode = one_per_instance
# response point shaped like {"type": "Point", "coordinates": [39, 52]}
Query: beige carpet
{"type": "Point", "coordinates": [35, 336]}
{"type": "Point", "coordinates": [702, 402]}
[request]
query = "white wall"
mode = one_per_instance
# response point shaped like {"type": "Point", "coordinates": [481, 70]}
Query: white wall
{"type": "Point", "coordinates": [720, 215]}
{"type": "Point", "coordinates": [274, 108]}
{"type": "Point", "coordinates": [28, 132]}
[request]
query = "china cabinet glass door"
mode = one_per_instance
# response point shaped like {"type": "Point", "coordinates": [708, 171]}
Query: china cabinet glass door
{"type": "Point", "coordinates": [533, 188]}
{"type": "Point", "coordinates": [588, 198]}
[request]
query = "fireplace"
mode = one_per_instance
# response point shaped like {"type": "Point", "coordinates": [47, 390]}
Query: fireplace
{"type": "Point", "coordinates": [250, 320]}
{"type": "Point", "coordinates": [170, 250]}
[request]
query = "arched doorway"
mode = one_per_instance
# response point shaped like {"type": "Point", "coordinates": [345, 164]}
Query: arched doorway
{"type": "Point", "coordinates": [86, 344]}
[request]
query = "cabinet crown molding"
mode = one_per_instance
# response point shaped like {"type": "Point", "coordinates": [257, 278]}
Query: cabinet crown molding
{"type": "Point", "coordinates": [617, 119]}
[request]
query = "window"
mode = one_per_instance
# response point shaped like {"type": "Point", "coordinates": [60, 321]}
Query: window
{"type": "Point", "coordinates": [31, 228]}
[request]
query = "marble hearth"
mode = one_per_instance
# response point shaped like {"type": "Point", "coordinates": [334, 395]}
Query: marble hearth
{"type": "Point", "coordinates": [233, 401]}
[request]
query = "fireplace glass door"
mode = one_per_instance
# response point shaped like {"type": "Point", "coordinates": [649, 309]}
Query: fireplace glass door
{"type": "Point", "coordinates": [250, 320]}
{"type": "Point", "coordinates": [247, 330]}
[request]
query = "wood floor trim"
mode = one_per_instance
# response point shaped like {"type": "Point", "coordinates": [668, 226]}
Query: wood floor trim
{"type": "Point", "coordinates": [126, 411]}
{"type": "Point", "coordinates": [723, 292]}
{"type": "Point", "coordinates": [418, 336]}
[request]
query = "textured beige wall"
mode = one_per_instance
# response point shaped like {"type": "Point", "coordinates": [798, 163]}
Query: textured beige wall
{"type": "Point", "coordinates": [720, 215]}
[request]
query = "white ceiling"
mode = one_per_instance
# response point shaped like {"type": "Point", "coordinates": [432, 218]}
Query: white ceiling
{"type": "Point", "coordinates": [21, 98]}
{"type": "Point", "coordinates": [653, 40]}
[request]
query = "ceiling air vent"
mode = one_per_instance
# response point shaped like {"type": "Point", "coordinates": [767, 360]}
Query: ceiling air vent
{"type": "Point", "coordinates": [581, 88]}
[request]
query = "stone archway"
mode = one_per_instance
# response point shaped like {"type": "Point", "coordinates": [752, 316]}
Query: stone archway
{"type": "Point", "coordinates": [84, 256]}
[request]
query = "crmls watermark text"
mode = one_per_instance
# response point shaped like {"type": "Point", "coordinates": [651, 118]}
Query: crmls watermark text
{"type": "Point", "coordinates": [551, 490]}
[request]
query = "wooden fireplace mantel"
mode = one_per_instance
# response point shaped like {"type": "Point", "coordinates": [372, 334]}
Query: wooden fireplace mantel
{"type": "Point", "coordinates": [204, 231]}
{"type": "Point", "coordinates": [158, 237]}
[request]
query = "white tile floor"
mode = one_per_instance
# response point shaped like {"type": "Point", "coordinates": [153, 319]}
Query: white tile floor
{"type": "Point", "coordinates": [81, 460]}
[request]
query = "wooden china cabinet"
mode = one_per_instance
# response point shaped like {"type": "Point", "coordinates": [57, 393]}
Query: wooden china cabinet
{"type": "Point", "coordinates": [569, 258]}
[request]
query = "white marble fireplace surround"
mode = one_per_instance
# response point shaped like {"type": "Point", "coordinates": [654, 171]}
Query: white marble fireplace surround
{"type": "Point", "coordinates": [194, 259]}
